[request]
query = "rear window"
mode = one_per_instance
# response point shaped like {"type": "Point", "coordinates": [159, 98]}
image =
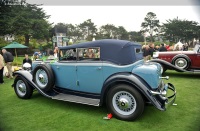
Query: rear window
{"type": "Point", "coordinates": [138, 50]}
{"type": "Point", "coordinates": [92, 53]}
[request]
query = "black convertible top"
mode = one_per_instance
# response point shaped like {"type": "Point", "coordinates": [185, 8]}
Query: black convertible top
{"type": "Point", "coordinates": [120, 52]}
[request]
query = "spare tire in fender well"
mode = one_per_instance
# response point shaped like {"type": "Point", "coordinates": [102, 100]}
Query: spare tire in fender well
{"type": "Point", "coordinates": [43, 77]}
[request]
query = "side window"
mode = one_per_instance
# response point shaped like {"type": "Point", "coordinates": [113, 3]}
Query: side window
{"type": "Point", "coordinates": [138, 50]}
{"type": "Point", "coordinates": [67, 55]}
{"type": "Point", "coordinates": [90, 54]}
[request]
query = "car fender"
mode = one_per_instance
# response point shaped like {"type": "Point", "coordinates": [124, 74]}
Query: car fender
{"type": "Point", "coordinates": [167, 65]}
{"type": "Point", "coordinates": [131, 79]}
{"type": "Point", "coordinates": [28, 76]}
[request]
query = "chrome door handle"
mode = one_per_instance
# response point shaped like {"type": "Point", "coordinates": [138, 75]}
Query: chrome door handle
{"type": "Point", "coordinates": [99, 68]}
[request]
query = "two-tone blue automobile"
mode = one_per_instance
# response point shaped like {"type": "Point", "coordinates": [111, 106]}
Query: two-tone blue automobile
{"type": "Point", "coordinates": [104, 71]}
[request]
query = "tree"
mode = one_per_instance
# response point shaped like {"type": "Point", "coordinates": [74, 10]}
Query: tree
{"type": "Point", "coordinates": [108, 31]}
{"type": "Point", "coordinates": [6, 7]}
{"type": "Point", "coordinates": [88, 29]}
{"type": "Point", "coordinates": [74, 32]}
{"type": "Point", "coordinates": [60, 28]}
{"type": "Point", "coordinates": [25, 19]}
{"type": "Point", "coordinates": [176, 29]}
{"type": "Point", "coordinates": [122, 33]}
{"type": "Point", "coordinates": [136, 36]}
{"type": "Point", "coordinates": [150, 24]}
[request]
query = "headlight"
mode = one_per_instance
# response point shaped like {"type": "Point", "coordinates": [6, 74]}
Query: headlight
{"type": "Point", "coordinates": [161, 69]}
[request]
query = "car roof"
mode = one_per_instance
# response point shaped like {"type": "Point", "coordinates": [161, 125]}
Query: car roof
{"type": "Point", "coordinates": [101, 43]}
{"type": "Point", "coordinates": [121, 52]}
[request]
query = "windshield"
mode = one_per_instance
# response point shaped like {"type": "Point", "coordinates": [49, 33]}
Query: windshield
{"type": "Point", "coordinates": [196, 48]}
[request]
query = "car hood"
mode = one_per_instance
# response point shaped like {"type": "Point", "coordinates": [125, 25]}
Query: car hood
{"type": "Point", "coordinates": [150, 72]}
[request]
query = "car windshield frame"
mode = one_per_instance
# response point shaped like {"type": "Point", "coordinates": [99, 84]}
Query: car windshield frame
{"type": "Point", "coordinates": [196, 48]}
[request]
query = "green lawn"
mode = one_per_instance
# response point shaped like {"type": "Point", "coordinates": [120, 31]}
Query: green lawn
{"type": "Point", "coordinates": [43, 114]}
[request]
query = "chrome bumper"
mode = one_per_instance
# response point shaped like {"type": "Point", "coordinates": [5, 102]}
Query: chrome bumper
{"type": "Point", "coordinates": [162, 97]}
{"type": "Point", "coordinates": [171, 99]}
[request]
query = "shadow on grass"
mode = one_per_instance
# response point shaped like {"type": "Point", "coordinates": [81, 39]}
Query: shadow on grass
{"type": "Point", "coordinates": [88, 110]}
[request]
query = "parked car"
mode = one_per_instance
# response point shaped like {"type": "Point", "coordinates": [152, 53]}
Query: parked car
{"type": "Point", "coordinates": [183, 61]}
{"type": "Point", "coordinates": [104, 71]}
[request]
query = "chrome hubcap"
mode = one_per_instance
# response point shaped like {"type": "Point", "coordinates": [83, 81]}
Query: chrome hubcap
{"type": "Point", "coordinates": [41, 78]}
{"type": "Point", "coordinates": [181, 63]}
{"type": "Point", "coordinates": [21, 87]}
{"type": "Point", "coordinates": [124, 103]}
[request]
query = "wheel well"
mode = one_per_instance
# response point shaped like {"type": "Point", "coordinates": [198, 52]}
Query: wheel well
{"type": "Point", "coordinates": [122, 82]}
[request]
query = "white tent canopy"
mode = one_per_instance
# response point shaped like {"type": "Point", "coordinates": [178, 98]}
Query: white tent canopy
{"type": "Point", "coordinates": [179, 44]}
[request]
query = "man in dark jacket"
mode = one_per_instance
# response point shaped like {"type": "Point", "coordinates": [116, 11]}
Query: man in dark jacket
{"type": "Point", "coordinates": [27, 60]}
{"type": "Point", "coordinates": [162, 48]}
{"type": "Point", "coordinates": [8, 58]}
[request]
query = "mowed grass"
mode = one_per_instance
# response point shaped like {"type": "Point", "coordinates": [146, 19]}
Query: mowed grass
{"type": "Point", "coordinates": [43, 114]}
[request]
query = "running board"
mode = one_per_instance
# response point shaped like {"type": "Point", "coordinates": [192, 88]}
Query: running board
{"type": "Point", "coordinates": [195, 71]}
{"type": "Point", "coordinates": [76, 99]}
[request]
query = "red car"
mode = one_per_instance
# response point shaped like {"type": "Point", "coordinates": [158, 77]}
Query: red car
{"type": "Point", "coordinates": [179, 60]}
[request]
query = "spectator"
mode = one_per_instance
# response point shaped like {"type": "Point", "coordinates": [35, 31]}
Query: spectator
{"type": "Point", "coordinates": [1, 69]}
{"type": "Point", "coordinates": [151, 50]}
{"type": "Point", "coordinates": [27, 60]}
{"type": "Point", "coordinates": [56, 52]}
{"type": "Point", "coordinates": [90, 53]}
{"type": "Point", "coordinates": [146, 52]}
{"type": "Point", "coordinates": [185, 47]}
{"type": "Point", "coordinates": [167, 47]}
{"type": "Point", "coordinates": [162, 48]}
{"type": "Point", "coordinates": [177, 48]}
{"type": "Point", "coordinates": [8, 58]}
{"type": "Point", "coordinates": [157, 48]}
{"type": "Point", "coordinates": [51, 55]}
{"type": "Point", "coordinates": [98, 53]}
{"type": "Point", "coordinates": [36, 55]}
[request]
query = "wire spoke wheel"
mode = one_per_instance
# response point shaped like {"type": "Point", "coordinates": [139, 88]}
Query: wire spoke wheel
{"type": "Point", "coordinates": [125, 102]}
{"type": "Point", "coordinates": [22, 88]}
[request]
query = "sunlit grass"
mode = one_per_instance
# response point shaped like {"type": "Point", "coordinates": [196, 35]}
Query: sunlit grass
{"type": "Point", "coordinates": [43, 114]}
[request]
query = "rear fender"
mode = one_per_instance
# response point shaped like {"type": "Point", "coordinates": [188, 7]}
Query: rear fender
{"type": "Point", "coordinates": [133, 80]}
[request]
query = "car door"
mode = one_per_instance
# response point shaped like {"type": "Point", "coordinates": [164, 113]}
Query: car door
{"type": "Point", "coordinates": [65, 70]}
{"type": "Point", "coordinates": [89, 71]}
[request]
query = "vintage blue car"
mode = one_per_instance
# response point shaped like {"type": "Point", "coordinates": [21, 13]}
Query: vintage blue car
{"type": "Point", "coordinates": [104, 71]}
